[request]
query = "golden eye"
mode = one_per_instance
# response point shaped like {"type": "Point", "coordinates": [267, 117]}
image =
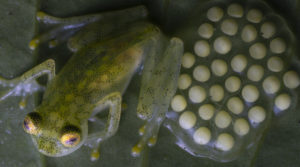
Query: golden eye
{"type": "Point", "coordinates": [31, 123]}
{"type": "Point", "coordinates": [70, 136]}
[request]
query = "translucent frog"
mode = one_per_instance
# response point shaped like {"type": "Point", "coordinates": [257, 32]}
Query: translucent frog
{"type": "Point", "coordinates": [109, 48]}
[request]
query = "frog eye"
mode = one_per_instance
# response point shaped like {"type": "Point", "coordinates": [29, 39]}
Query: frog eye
{"type": "Point", "coordinates": [31, 123]}
{"type": "Point", "coordinates": [70, 136]}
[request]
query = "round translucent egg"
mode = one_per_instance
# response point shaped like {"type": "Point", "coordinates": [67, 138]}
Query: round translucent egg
{"type": "Point", "coordinates": [271, 84]}
{"type": "Point", "coordinates": [238, 63]}
{"type": "Point", "coordinates": [258, 50]}
{"type": "Point", "coordinates": [257, 114]}
{"type": "Point", "coordinates": [277, 45]}
{"type": "Point", "coordinates": [291, 79]}
{"type": "Point", "coordinates": [229, 27]}
{"type": "Point", "coordinates": [255, 73]}
{"type": "Point", "coordinates": [187, 120]}
{"type": "Point", "coordinates": [188, 60]}
{"type": "Point", "coordinates": [222, 45]}
{"type": "Point", "coordinates": [267, 30]}
{"type": "Point", "coordinates": [197, 94]}
{"type": "Point", "coordinates": [219, 67]}
{"type": "Point", "coordinates": [202, 135]}
{"type": "Point", "coordinates": [275, 64]}
{"type": "Point", "coordinates": [241, 127]}
{"type": "Point", "coordinates": [206, 30]}
{"type": "Point", "coordinates": [206, 111]}
{"type": "Point", "coordinates": [225, 142]}
{"type": "Point", "coordinates": [235, 10]}
{"type": "Point", "coordinates": [232, 84]}
{"type": "Point", "coordinates": [250, 93]}
{"type": "Point", "coordinates": [235, 105]}
{"type": "Point", "coordinates": [202, 48]}
{"type": "Point", "coordinates": [283, 101]}
{"type": "Point", "coordinates": [178, 103]}
{"type": "Point", "coordinates": [216, 93]}
{"type": "Point", "coordinates": [184, 81]}
{"type": "Point", "coordinates": [215, 14]}
{"type": "Point", "coordinates": [222, 119]}
{"type": "Point", "coordinates": [249, 33]}
{"type": "Point", "coordinates": [254, 16]}
{"type": "Point", "coordinates": [201, 73]}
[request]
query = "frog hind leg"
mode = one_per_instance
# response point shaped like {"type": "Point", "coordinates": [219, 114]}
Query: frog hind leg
{"type": "Point", "coordinates": [67, 27]}
{"type": "Point", "coordinates": [114, 102]}
{"type": "Point", "coordinates": [24, 84]}
{"type": "Point", "coordinates": [158, 87]}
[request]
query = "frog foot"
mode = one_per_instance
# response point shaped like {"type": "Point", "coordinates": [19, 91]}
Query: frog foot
{"type": "Point", "coordinates": [61, 29]}
{"type": "Point", "coordinates": [19, 89]}
{"type": "Point", "coordinates": [26, 83]}
{"type": "Point", "coordinates": [148, 134]}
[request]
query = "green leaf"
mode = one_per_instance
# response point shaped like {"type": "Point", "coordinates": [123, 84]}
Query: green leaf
{"type": "Point", "coordinates": [279, 147]}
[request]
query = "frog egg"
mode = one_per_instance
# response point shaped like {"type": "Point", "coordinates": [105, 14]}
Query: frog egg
{"type": "Point", "coordinates": [206, 30]}
{"type": "Point", "coordinates": [232, 84]}
{"type": "Point", "coordinates": [201, 73]}
{"type": "Point", "coordinates": [215, 14]}
{"type": "Point", "coordinates": [202, 136]}
{"type": "Point", "coordinates": [250, 93]}
{"type": "Point", "coordinates": [225, 142]}
{"type": "Point", "coordinates": [229, 27]}
{"type": "Point", "coordinates": [275, 64]}
{"type": "Point", "coordinates": [283, 101]}
{"type": "Point", "coordinates": [222, 119]}
{"type": "Point", "coordinates": [188, 60]}
{"type": "Point", "coordinates": [258, 51]}
{"type": "Point", "coordinates": [241, 127]}
{"type": "Point", "coordinates": [216, 93]}
{"type": "Point", "coordinates": [184, 81]}
{"type": "Point", "coordinates": [291, 79]}
{"type": "Point", "coordinates": [235, 10]}
{"type": "Point", "coordinates": [206, 111]}
{"type": "Point", "coordinates": [249, 33]}
{"type": "Point", "coordinates": [178, 103]}
{"type": "Point", "coordinates": [197, 94]}
{"type": "Point", "coordinates": [187, 120]}
{"type": "Point", "coordinates": [255, 73]}
{"type": "Point", "coordinates": [277, 45]}
{"type": "Point", "coordinates": [254, 15]}
{"type": "Point", "coordinates": [267, 30]}
{"type": "Point", "coordinates": [235, 105]}
{"type": "Point", "coordinates": [238, 63]}
{"type": "Point", "coordinates": [202, 48]}
{"type": "Point", "coordinates": [219, 67]}
{"type": "Point", "coordinates": [257, 114]}
{"type": "Point", "coordinates": [222, 45]}
{"type": "Point", "coordinates": [271, 84]}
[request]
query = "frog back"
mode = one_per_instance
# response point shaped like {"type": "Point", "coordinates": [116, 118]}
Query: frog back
{"type": "Point", "coordinates": [100, 69]}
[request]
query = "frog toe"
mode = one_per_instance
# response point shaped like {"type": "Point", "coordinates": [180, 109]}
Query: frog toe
{"type": "Point", "coordinates": [152, 141]}
{"type": "Point", "coordinates": [136, 150]}
{"type": "Point", "coordinates": [95, 155]}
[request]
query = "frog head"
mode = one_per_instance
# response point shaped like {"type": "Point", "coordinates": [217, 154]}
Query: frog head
{"type": "Point", "coordinates": [54, 135]}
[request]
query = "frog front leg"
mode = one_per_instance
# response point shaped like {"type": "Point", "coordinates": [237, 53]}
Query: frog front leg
{"type": "Point", "coordinates": [159, 84]}
{"type": "Point", "coordinates": [114, 102]}
{"type": "Point", "coordinates": [105, 23]}
{"type": "Point", "coordinates": [19, 86]}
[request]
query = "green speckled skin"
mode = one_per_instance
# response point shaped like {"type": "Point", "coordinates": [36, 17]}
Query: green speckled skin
{"type": "Point", "coordinates": [91, 74]}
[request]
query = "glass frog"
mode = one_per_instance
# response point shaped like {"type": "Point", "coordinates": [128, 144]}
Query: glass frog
{"type": "Point", "coordinates": [109, 48]}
